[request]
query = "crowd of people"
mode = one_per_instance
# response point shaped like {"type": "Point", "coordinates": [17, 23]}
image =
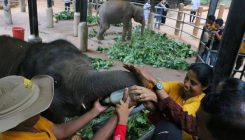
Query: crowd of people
{"type": "Point", "coordinates": [179, 110]}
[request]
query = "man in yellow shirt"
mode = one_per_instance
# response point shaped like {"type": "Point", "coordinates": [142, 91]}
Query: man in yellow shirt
{"type": "Point", "coordinates": [21, 102]}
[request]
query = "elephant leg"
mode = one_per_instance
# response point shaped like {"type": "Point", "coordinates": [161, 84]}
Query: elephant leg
{"type": "Point", "coordinates": [124, 32]}
{"type": "Point", "coordinates": [103, 28]}
{"type": "Point", "coordinates": [127, 28]}
{"type": "Point", "coordinates": [129, 31]}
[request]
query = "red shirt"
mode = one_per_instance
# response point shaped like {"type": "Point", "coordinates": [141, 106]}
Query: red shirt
{"type": "Point", "coordinates": [120, 132]}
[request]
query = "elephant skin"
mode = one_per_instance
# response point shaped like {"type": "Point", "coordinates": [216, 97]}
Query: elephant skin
{"type": "Point", "coordinates": [119, 11]}
{"type": "Point", "coordinates": [76, 82]}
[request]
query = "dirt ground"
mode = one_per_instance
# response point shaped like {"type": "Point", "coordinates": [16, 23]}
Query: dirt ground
{"type": "Point", "coordinates": [64, 30]}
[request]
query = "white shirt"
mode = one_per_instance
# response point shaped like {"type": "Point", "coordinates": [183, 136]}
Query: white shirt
{"type": "Point", "coordinates": [195, 4]}
{"type": "Point", "coordinates": [67, 1]}
{"type": "Point", "coordinates": [147, 6]}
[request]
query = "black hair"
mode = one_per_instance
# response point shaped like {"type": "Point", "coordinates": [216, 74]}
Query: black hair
{"type": "Point", "coordinates": [211, 18]}
{"type": "Point", "coordinates": [225, 107]}
{"type": "Point", "coordinates": [219, 21]}
{"type": "Point", "coordinates": [204, 73]}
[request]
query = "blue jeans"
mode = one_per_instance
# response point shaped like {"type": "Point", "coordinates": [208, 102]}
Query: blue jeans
{"type": "Point", "coordinates": [212, 57]}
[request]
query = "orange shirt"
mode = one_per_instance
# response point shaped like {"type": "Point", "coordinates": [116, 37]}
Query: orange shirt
{"type": "Point", "coordinates": [43, 125]}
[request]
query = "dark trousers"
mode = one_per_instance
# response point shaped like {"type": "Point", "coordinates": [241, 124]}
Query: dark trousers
{"type": "Point", "coordinates": [67, 6]}
{"type": "Point", "coordinates": [164, 13]}
{"type": "Point", "coordinates": [192, 17]}
{"type": "Point", "coordinates": [166, 130]}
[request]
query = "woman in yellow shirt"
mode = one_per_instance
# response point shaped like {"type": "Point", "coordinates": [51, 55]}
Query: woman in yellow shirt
{"type": "Point", "coordinates": [174, 102]}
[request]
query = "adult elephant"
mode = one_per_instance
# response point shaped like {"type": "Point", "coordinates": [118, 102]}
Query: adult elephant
{"type": "Point", "coordinates": [77, 84]}
{"type": "Point", "coordinates": [119, 11]}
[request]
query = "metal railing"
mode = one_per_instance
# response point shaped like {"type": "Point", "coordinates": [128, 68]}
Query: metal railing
{"type": "Point", "coordinates": [182, 21]}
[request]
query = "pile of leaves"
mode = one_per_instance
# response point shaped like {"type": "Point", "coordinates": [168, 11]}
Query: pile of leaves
{"type": "Point", "coordinates": [98, 63]}
{"type": "Point", "coordinates": [134, 126]}
{"type": "Point", "coordinates": [92, 19]}
{"type": "Point", "coordinates": [153, 49]}
{"type": "Point", "coordinates": [92, 33]}
{"type": "Point", "coordinates": [64, 15]}
{"type": "Point", "coordinates": [68, 15]}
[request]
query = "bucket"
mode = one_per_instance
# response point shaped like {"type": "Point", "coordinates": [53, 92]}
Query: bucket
{"type": "Point", "coordinates": [18, 32]}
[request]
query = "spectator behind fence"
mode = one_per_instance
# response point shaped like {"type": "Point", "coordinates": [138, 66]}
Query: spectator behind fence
{"type": "Point", "coordinates": [208, 27]}
{"type": "Point", "coordinates": [221, 115]}
{"type": "Point", "coordinates": [174, 104]}
{"type": "Point", "coordinates": [21, 102]}
{"type": "Point", "coordinates": [147, 10]}
{"type": "Point", "coordinates": [164, 12]}
{"type": "Point", "coordinates": [67, 5]}
{"type": "Point", "coordinates": [194, 7]}
{"type": "Point", "coordinates": [160, 7]}
{"type": "Point", "coordinates": [214, 42]}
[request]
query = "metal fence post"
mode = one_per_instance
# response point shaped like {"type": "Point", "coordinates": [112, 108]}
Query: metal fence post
{"type": "Point", "coordinates": [179, 18]}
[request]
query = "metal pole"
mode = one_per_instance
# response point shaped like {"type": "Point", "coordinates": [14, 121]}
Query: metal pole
{"type": "Point", "coordinates": [83, 12]}
{"type": "Point", "coordinates": [231, 40]}
{"type": "Point", "coordinates": [33, 19]}
{"type": "Point", "coordinates": [32, 4]}
{"type": "Point", "coordinates": [77, 6]}
{"type": "Point", "coordinates": [49, 3]}
{"type": "Point", "coordinates": [212, 7]}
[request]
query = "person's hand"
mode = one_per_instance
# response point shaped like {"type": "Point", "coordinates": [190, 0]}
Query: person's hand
{"type": "Point", "coordinates": [151, 106]}
{"type": "Point", "coordinates": [126, 96]}
{"type": "Point", "coordinates": [143, 94]}
{"type": "Point", "coordinates": [142, 74]}
{"type": "Point", "coordinates": [123, 111]}
{"type": "Point", "coordinates": [98, 107]}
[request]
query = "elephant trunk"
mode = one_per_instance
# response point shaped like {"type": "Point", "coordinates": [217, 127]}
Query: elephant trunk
{"type": "Point", "coordinates": [101, 84]}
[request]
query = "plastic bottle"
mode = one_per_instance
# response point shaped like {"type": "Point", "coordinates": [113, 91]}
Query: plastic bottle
{"type": "Point", "coordinates": [116, 96]}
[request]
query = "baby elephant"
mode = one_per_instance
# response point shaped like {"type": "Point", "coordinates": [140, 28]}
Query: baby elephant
{"type": "Point", "coordinates": [119, 11]}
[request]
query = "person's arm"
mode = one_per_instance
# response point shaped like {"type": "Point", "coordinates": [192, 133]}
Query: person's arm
{"type": "Point", "coordinates": [176, 113]}
{"type": "Point", "coordinates": [107, 130]}
{"type": "Point", "coordinates": [123, 109]}
{"type": "Point", "coordinates": [218, 35]}
{"type": "Point", "coordinates": [64, 130]}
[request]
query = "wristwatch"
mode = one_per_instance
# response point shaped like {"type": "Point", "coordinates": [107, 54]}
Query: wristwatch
{"type": "Point", "coordinates": [157, 86]}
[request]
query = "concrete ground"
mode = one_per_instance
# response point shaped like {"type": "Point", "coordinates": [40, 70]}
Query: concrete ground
{"type": "Point", "coordinates": [64, 30]}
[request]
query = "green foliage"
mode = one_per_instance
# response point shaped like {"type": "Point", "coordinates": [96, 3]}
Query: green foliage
{"type": "Point", "coordinates": [92, 19]}
{"type": "Point", "coordinates": [87, 132]}
{"type": "Point", "coordinates": [92, 33]}
{"type": "Point", "coordinates": [98, 63]}
{"type": "Point", "coordinates": [102, 50]}
{"type": "Point", "coordinates": [153, 49]}
{"type": "Point", "coordinates": [137, 126]}
{"type": "Point", "coordinates": [64, 15]}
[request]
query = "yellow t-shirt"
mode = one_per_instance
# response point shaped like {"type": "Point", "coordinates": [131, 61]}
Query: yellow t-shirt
{"type": "Point", "coordinates": [42, 125]}
{"type": "Point", "coordinates": [191, 105]}
{"type": "Point", "coordinates": [242, 49]}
